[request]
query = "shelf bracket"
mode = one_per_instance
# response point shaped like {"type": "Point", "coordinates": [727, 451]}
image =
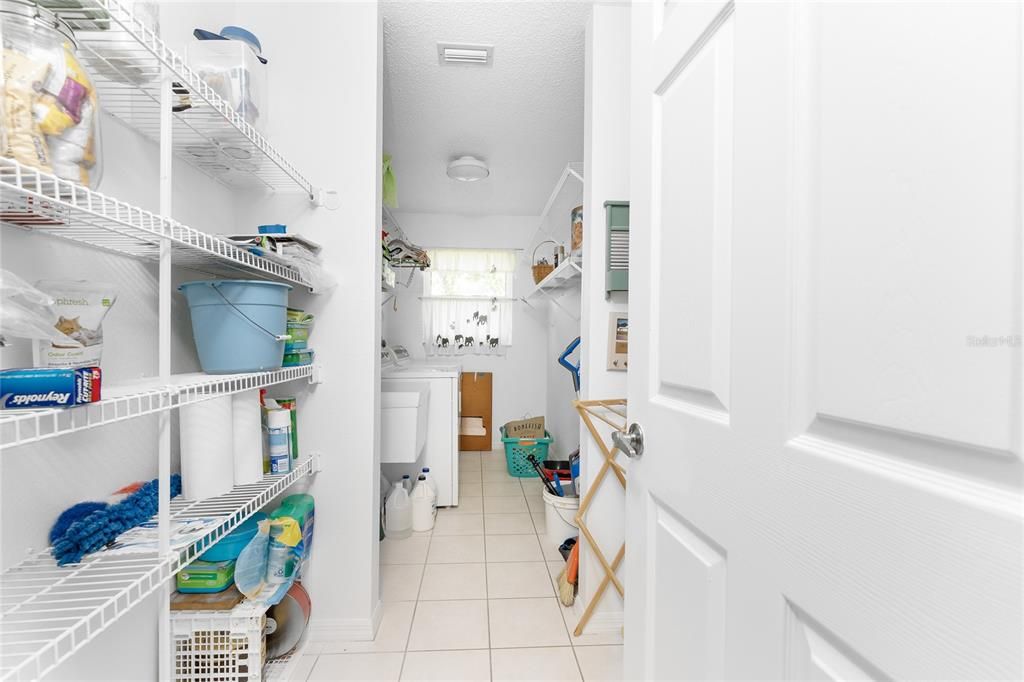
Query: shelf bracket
{"type": "Point", "coordinates": [317, 464]}
{"type": "Point", "coordinates": [317, 375]}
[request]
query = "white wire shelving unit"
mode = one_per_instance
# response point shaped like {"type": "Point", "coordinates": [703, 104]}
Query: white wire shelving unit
{"type": "Point", "coordinates": [569, 186]}
{"type": "Point", "coordinates": [126, 60]}
{"type": "Point", "coordinates": [50, 612]}
{"type": "Point", "coordinates": [563, 276]}
{"type": "Point", "coordinates": [44, 204]}
{"type": "Point", "coordinates": [136, 399]}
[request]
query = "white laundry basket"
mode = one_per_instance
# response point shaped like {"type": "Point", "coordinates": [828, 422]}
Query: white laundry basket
{"type": "Point", "coordinates": [560, 517]}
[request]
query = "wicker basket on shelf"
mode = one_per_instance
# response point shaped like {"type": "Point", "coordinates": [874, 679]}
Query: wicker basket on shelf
{"type": "Point", "coordinates": [541, 268]}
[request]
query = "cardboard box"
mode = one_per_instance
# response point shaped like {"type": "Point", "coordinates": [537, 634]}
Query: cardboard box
{"type": "Point", "coordinates": [477, 402]}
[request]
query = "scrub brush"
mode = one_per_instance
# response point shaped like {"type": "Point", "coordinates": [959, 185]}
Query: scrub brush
{"type": "Point", "coordinates": [567, 578]}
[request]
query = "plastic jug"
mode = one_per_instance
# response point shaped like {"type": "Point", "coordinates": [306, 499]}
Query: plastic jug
{"type": "Point", "coordinates": [430, 481]}
{"type": "Point", "coordinates": [398, 510]}
{"type": "Point", "coordinates": [424, 506]}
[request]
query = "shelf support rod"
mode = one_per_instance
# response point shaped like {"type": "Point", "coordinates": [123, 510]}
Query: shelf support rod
{"type": "Point", "coordinates": [165, 671]}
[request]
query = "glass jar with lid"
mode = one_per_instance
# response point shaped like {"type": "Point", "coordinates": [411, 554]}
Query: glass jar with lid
{"type": "Point", "coordinates": [49, 109]}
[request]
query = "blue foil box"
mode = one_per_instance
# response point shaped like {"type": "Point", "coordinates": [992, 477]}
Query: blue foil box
{"type": "Point", "coordinates": [35, 388]}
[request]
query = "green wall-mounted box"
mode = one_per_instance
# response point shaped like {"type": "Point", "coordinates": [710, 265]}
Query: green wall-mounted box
{"type": "Point", "coordinates": [616, 277]}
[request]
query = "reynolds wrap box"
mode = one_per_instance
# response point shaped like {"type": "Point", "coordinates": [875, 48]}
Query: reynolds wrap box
{"type": "Point", "coordinates": [23, 388]}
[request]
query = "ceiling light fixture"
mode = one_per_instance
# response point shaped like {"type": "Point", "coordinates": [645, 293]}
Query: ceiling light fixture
{"type": "Point", "coordinates": [468, 169]}
{"type": "Point", "coordinates": [464, 53]}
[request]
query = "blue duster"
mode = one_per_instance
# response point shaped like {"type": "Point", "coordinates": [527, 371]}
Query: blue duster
{"type": "Point", "coordinates": [100, 527]}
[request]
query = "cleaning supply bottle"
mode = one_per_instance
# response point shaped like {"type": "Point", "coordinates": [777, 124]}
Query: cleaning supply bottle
{"type": "Point", "coordinates": [407, 482]}
{"type": "Point", "coordinates": [424, 502]}
{"type": "Point", "coordinates": [398, 511]}
{"type": "Point", "coordinates": [430, 480]}
{"type": "Point", "coordinates": [279, 440]}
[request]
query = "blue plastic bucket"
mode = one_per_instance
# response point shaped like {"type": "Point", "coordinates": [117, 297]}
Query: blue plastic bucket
{"type": "Point", "coordinates": [238, 325]}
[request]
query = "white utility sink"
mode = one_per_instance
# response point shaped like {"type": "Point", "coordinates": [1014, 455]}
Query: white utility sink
{"type": "Point", "coordinates": [403, 420]}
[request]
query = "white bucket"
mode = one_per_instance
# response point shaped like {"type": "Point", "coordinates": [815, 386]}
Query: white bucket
{"type": "Point", "coordinates": [560, 517]}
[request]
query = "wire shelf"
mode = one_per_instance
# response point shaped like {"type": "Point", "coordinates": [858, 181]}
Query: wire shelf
{"type": "Point", "coordinates": [136, 399]}
{"type": "Point", "coordinates": [48, 612]}
{"type": "Point", "coordinates": [125, 59]}
{"type": "Point", "coordinates": [45, 204]}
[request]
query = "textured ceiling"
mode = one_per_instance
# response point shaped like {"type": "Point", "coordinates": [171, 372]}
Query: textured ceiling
{"type": "Point", "coordinates": [523, 115]}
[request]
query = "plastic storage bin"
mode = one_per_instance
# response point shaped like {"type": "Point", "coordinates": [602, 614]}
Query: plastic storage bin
{"type": "Point", "coordinates": [232, 544]}
{"type": "Point", "coordinates": [517, 450]}
{"type": "Point", "coordinates": [227, 646]}
{"type": "Point", "coordinates": [238, 325]}
{"type": "Point", "coordinates": [231, 68]}
{"type": "Point", "coordinates": [51, 108]}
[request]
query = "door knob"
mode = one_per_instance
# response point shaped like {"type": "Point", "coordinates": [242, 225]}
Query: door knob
{"type": "Point", "coordinates": [630, 442]}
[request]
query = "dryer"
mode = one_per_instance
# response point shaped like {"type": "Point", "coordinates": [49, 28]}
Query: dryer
{"type": "Point", "coordinates": [441, 451]}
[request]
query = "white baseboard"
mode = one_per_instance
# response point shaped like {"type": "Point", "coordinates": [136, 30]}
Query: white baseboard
{"type": "Point", "coordinates": [600, 622]}
{"type": "Point", "coordinates": [346, 629]}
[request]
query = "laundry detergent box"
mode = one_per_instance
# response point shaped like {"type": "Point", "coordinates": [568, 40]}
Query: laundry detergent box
{"type": "Point", "coordinates": [49, 387]}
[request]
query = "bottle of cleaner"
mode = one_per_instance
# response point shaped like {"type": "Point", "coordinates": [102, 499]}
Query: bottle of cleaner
{"type": "Point", "coordinates": [430, 480]}
{"type": "Point", "coordinates": [433, 485]}
{"type": "Point", "coordinates": [279, 441]}
{"type": "Point", "coordinates": [407, 482]}
{"type": "Point", "coordinates": [398, 511]}
{"type": "Point", "coordinates": [423, 504]}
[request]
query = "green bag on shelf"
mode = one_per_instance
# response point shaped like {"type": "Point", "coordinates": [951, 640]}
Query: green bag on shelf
{"type": "Point", "coordinates": [389, 190]}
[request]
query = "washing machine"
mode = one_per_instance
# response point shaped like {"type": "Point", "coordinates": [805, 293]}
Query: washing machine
{"type": "Point", "coordinates": [441, 451]}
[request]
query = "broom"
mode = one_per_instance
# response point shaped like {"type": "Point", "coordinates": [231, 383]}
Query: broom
{"type": "Point", "coordinates": [567, 578]}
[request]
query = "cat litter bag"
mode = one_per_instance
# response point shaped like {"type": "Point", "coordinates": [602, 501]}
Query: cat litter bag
{"type": "Point", "coordinates": [78, 310]}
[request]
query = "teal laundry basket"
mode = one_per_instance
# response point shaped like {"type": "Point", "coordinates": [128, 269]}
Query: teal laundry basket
{"type": "Point", "coordinates": [238, 325]}
{"type": "Point", "coordinates": [518, 449]}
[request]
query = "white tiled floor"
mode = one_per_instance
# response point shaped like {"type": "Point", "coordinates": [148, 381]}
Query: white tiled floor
{"type": "Point", "coordinates": [474, 599]}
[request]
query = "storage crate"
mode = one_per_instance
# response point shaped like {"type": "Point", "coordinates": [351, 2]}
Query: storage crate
{"type": "Point", "coordinates": [226, 646]}
{"type": "Point", "coordinates": [518, 449]}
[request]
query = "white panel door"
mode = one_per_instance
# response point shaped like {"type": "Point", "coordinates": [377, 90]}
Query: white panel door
{"type": "Point", "coordinates": [826, 318]}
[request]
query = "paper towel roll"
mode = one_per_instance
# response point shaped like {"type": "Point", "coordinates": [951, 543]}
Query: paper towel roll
{"type": "Point", "coordinates": [207, 467]}
{"type": "Point", "coordinates": [248, 431]}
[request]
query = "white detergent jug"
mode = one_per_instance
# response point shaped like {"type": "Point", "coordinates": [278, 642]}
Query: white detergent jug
{"type": "Point", "coordinates": [424, 501]}
{"type": "Point", "coordinates": [431, 482]}
{"type": "Point", "coordinates": [398, 511]}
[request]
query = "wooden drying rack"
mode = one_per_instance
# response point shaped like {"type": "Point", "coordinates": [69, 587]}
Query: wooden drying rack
{"type": "Point", "coordinates": [612, 413]}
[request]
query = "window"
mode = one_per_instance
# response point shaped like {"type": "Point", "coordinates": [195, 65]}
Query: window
{"type": "Point", "coordinates": [467, 301]}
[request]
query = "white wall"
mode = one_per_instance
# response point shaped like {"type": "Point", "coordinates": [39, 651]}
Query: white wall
{"type": "Point", "coordinates": [563, 327]}
{"type": "Point", "coordinates": [325, 111]}
{"type": "Point", "coordinates": [606, 168]}
{"type": "Point", "coordinates": [520, 376]}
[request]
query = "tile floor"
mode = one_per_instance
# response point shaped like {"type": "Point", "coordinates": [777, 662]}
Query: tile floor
{"type": "Point", "coordinates": [474, 599]}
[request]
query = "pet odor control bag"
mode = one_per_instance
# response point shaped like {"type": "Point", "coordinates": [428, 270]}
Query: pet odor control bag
{"type": "Point", "coordinates": [78, 311]}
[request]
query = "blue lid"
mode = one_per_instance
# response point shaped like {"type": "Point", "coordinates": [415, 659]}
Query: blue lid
{"type": "Point", "coordinates": [234, 33]}
{"type": "Point", "coordinates": [426, 469]}
{"type": "Point", "coordinates": [275, 228]}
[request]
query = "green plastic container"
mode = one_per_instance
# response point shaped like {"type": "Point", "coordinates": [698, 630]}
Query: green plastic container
{"type": "Point", "coordinates": [206, 576]}
{"type": "Point", "coordinates": [299, 331]}
{"type": "Point", "coordinates": [518, 449]}
{"type": "Point", "coordinates": [298, 358]}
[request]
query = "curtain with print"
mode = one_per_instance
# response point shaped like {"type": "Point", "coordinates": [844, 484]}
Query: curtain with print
{"type": "Point", "coordinates": [468, 301]}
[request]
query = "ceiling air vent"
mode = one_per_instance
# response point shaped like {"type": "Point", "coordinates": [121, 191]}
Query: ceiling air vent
{"type": "Point", "coordinates": [464, 53]}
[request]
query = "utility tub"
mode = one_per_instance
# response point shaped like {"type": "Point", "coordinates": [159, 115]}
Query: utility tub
{"type": "Point", "coordinates": [403, 420]}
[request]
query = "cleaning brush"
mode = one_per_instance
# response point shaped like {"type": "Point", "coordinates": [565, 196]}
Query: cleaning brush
{"type": "Point", "coordinates": [567, 578]}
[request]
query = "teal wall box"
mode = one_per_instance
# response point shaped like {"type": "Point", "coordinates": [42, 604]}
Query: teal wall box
{"type": "Point", "coordinates": [617, 274]}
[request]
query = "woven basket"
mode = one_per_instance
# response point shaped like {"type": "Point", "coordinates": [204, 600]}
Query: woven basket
{"type": "Point", "coordinates": [541, 271]}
